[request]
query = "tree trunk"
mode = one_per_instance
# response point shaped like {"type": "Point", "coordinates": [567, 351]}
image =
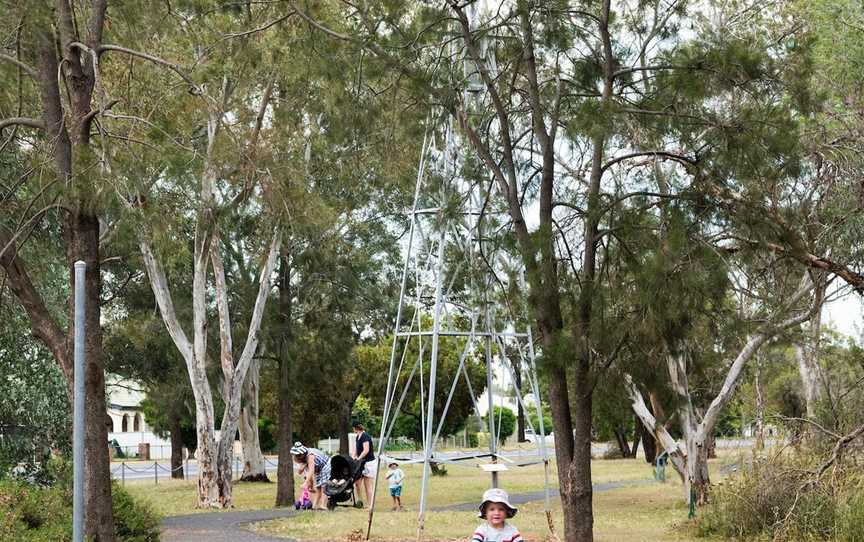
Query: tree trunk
{"type": "Point", "coordinates": [807, 355]}
{"type": "Point", "coordinates": [649, 445]}
{"type": "Point", "coordinates": [82, 232]}
{"type": "Point", "coordinates": [81, 242]}
{"type": "Point", "coordinates": [345, 428]}
{"type": "Point", "coordinates": [637, 436]}
{"type": "Point", "coordinates": [214, 457]}
{"type": "Point", "coordinates": [520, 412]}
{"type": "Point", "coordinates": [579, 523]}
{"type": "Point", "coordinates": [711, 445]}
{"type": "Point", "coordinates": [623, 445]}
{"type": "Point", "coordinates": [205, 450]}
{"type": "Point", "coordinates": [698, 479]}
{"type": "Point", "coordinates": [176, 448]}
{"type": "Point", "coordinates": [254, 467]}
{"type": "Point", "coordinates": [760, 407]}
{"type": "Point", "coordinates": [285, 472]}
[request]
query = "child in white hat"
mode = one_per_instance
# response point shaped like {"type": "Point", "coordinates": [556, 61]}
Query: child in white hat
{"type": "Point", "coordinates": [496, 509]}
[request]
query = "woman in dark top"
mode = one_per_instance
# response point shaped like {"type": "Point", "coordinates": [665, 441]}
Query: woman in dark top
{"type": "Point", "coordinates": [363, 453]}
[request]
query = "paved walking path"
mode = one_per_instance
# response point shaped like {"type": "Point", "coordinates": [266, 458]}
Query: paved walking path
{"type": "Point", "coordinates": [231, 526]}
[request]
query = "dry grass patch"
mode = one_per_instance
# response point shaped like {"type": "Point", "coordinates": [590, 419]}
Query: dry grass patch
{"type": "Point", "coordinates": [179, 497]}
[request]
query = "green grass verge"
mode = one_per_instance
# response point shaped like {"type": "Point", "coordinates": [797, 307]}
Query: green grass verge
{"type": "Point", "coordinates": [648, 512]}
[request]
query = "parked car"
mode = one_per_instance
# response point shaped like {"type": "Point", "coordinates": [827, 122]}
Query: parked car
{"type": "Point", "coordinates": [530, 436]}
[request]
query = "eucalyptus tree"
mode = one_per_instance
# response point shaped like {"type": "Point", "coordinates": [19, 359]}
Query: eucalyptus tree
{"type": "Point", "coordinates": [50, 111]}
{"type": "Point", "coordinates": [214, 455]}
{"type": "Point", "coordinates": [835, 150]}
{"type": "Point", "coordinates": [185, 161]}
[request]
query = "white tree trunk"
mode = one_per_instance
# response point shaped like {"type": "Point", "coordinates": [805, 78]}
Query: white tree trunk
{"type": "Point", "coordinates": [809, 370]}
{"type": "Point", "coordinates": [677, 454]}
{"type": "Point", "coordinates": [696, 432]}
{"type": "Point", "coordinates": [807, 355]}
{"type": "Point", "coordinates": [254, 467]}
{"type": "Point", "coordinates": [760, 408]}
{"type": "Point", "coordinates": [214, 456]}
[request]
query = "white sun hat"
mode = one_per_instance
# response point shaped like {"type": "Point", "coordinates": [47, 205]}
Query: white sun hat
{"type": "Point", "coordinates": [499, 496]}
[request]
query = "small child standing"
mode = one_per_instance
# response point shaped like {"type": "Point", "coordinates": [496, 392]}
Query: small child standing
{"type": "Point", "coordinates": [394, 480]}
{"type": "Point", "coordinates": [495, 509]}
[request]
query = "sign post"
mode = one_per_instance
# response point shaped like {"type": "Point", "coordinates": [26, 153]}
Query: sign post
{"type": "Point", "coordinates": [78, 413]}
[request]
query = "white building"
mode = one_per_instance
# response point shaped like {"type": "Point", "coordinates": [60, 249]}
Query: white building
{"type": "Point", "coordinates": [129, 427]}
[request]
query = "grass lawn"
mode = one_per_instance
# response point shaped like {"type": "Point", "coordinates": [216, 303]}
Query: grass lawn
{"type": "Point", "coordinates": [644, 511]}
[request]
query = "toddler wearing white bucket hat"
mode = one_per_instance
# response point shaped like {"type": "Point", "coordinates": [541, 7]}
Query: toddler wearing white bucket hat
{"type": "Point", "coordinates": [495, 509]}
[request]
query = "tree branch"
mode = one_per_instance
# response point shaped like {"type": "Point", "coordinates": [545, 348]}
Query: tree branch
{"type": "Point", "coordinates": [260, 28]}
{"type": "Point", "coordinates": [197, 90]}
{"type": "Point", "coordinates": [850, 277]}
{"type": "Point", "coordinates": [660, 154]}
{"type": "Point", "coordinates": [42, 324]}
{"type": "Point", "coordinates": [22, 121]}
{"type": "Point", "coordinates": [332, 33]}
{"type": "Point", "coordinates": [634, 69]}
{"type": "Point", "coordinates": [159, 285]}
{"type": "Point", "coordinates": [750, 348]}
{"type": "Point", "coordinates": [265, 283]}
{"type": "Point", "coordinates": [225, 340]}
{"type": "Point", "coordinates": [676, 453]}
{"type": "Point", "coordinates": [29, 70]}
{"type": "Point", "coordinates": [839, 447]}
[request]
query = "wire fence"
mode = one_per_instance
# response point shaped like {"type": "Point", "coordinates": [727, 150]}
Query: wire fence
{"type": "Point", "coordinates": [155, 471]}
{"type": "Point", "coordinates": [154, 451]}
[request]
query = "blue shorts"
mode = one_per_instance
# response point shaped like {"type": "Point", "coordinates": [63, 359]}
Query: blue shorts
{"type": "Point", "coordinates": [396, 491]}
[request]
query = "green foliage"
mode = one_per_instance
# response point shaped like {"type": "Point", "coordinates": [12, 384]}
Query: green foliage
{"type": "Point", "coordinates": [535, 420]}
{"type": "Point", "coordinates": [267, 435]}
{"type": "Point", "coordinates": [372, 365]}
{"type": "Point", "coordinates": [35, 417]}
{"type": "Point", "coordinates": [134, 520]}
{"type": "Point", "coordinates": [362, 413]}
{"type": "Point", "coordinates": [44, 514]}
{"type": "Point", "coordinates": [505, 422]}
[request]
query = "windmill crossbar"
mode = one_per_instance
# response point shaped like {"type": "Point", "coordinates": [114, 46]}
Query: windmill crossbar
{"type": "Point", "coordinates": [460, 334]}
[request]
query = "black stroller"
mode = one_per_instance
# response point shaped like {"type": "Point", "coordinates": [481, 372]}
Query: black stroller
{"type": "Point", "coordinates": [344, 471]}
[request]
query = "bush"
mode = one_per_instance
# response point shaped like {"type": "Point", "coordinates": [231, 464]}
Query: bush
{"type": "Point", "coordinates": [34, 514]}
{"type": "Point", "coordinates": [774, 499]}
{"type": "Point", "coordinates": [44, 514]}
{"type": "Point", "coordinates": [134, 521]}
{"type": "Point", "coordinates": [505, 422]}
{"type": "Point", "coordinates": [850, 525]}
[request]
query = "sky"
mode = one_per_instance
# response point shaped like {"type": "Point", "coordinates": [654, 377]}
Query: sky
{"type": "Point", "coordinates": [846, 315]}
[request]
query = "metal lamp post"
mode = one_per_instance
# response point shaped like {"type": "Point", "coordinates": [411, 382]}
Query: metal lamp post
{"type": "Point", "coordinates": [78, 413]}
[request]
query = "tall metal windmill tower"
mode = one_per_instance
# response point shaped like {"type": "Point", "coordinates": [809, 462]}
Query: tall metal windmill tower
{"type": "Point", "coordinates": [449, 277]}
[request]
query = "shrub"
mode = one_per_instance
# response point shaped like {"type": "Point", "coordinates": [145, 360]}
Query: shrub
{"type": "Point", "coordinates": [134, 521]}
{"type": "Point", "coordinates": [774, 498]}
{"type": "Point", "coordinates": [44, 514]}
{"type": "Point", "coordinates": [850, 525]}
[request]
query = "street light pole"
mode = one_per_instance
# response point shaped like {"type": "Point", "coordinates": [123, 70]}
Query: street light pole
{"type": "Point", "coordinates": [78, 413]}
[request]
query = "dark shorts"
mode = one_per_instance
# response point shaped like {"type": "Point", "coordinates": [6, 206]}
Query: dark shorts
{"type": "Point", "coordinates": [396, 491]}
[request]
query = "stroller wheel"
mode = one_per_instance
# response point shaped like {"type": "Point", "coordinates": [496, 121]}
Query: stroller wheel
{"type": "Point", "coordinates": [331, 504]}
